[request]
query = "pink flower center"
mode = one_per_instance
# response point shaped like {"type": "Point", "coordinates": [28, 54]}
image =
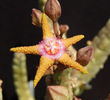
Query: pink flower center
{"type": "Point", "coordinates": [52, 47]}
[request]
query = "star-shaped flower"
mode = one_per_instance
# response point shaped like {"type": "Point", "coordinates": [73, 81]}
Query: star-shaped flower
{"type": "Point", "coordinates": [51, 49]}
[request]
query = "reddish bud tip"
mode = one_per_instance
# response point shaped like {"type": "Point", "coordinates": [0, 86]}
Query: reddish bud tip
{"type": "Point", "coordinates": [53, 9]}
{"type": "Point", "coordinates": [36, 17]}
{"type": "Point", "coordinates": [84, 55]}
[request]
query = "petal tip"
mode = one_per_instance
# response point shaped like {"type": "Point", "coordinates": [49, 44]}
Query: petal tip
{"type": "Point", "coordinates": [35, 84]}
{"type": "Point", "coordinates": [85, 72]}
{"type": "Point", "coordinates": [82, 36]}
{"type": "Point", "coordinates": [12, 49]}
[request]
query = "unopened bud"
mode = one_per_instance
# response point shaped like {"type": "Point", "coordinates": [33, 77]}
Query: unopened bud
{"type": "Point", "coordinates": [57, 92]}
{"type": "Point", "coordinates": [64, 29]}
{"type": "Point", "coordinates": [53, 9]}
{"type": "Point", "coordinates": [84, 55]}
{"type": "Point", "coordinates": [36, 17]}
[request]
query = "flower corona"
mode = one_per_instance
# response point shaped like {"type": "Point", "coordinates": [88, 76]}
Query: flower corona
{"type": "Point", "coordinates": [52, 47]}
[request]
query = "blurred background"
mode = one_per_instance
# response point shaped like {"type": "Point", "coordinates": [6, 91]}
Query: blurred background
{"type": "Point", "coordinates": [83, 17]}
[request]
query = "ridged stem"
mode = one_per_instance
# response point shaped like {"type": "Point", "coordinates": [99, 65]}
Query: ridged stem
{"type": "Point", "coordinates": [20, 77]}
{"type": "Point", "coordinates": [101, 44]}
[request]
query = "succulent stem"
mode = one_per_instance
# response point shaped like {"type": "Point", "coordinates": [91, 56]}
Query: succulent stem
{"type": "Point", "coordinates": [20, 77]}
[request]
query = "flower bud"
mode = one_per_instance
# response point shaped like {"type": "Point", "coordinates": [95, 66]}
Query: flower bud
{"type": "Point", "coordinates": [64, 28]}
{"type": "Point", "coordinates": [57, 92]}
{"type": "Point", "coordinates": [36, 17]}
{"type": "Point", "coordinates": [53, 9]}
{"type": "Point", "coordinates": [84, 55]}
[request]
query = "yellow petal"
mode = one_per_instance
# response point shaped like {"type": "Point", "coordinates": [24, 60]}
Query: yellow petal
{"type": "Point", "coordinates": [45, 63]}
{"type": "Point", "coordinates": [26, 49]}
{"type": "Point", "coordinates": [66, 60]}
{"type": "Point", "coordinates": [72, 40]}
{"type": "Point", "coordinates": [45, 27]}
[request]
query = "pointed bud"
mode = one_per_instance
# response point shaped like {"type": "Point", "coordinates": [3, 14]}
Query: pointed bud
{"type": "Point", "coordinates": [64, 28]}
{"type": "Point", "coordinates": [53, 9]}
{"type": "Point", "coordinates": [84, 55]}
{"type": "Point", "coordinates": [36, 17]}
{"type": "Point", "coordinates": [57, 92]}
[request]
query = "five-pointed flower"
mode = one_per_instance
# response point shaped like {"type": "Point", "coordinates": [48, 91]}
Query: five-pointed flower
{"type": "Point", "coordinates": [51, 49]}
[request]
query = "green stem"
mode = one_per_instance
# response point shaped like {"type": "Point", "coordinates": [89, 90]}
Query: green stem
{"type": "Point", "coordinates": [101, 44]}
{"type": "Point", "coordinates": [42, 4]}
{"type": "Point", "coordinates": [20, 77]}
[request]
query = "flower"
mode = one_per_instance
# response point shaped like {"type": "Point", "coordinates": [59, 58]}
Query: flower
{"type": "Point", "coordinates": [51, 49]}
